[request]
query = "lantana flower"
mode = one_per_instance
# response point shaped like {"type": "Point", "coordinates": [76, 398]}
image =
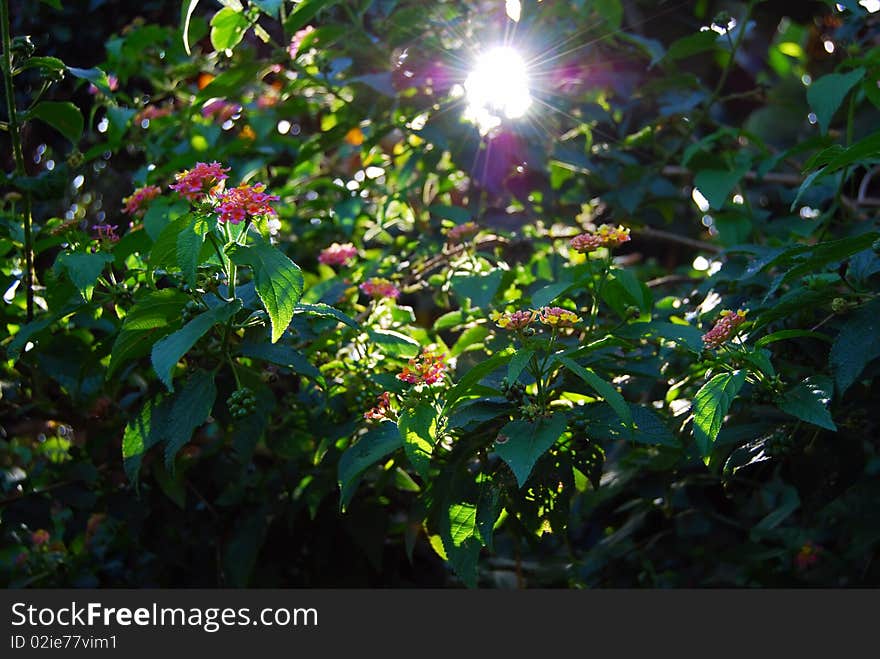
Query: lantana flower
{"type": "Point", "coordinates": [40, 537]}
{"type": "Point", "coordinates": [377, 288]}
{"type": "Point", "coordinates": [605, 236]}
{"type": "Point", "coordinates": [558, 317]}
{"type": "Point", "coordinates": [245, 202]}
{"type": "Point", "coordinates": [724, 328]}
{"type": "Point", "coordinates": [201, 180]}
{"type": "Point", "coordinates": [106, 233]}
{"type": "Point", "coordinates": [427, 368]}
{"type": "Point", "coordinates": [382, 408]}
{"type": "Point", "coordinates": [337, 254]}
{"type": "Point", "coordinates": [136, 203]}
{"type": "Point", "coordinates": [298, 37]}
{"type": "Point", "coordinates": [514, 320]}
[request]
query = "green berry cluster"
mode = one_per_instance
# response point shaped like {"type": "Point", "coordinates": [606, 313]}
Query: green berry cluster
{"type": "Point", "coordinates": [513, 391]}
{"type": "Point", "coordinates": [241, 403]}
{"type": "Point", "coordinates": [190, 310]}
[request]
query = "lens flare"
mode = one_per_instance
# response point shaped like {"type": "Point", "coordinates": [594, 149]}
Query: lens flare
{"type": "Point", "coordinates": [498, 86]}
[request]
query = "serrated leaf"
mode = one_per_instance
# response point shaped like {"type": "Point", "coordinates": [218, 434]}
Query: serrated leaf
{"type": "Point", "coordinates": [278, 280]}
{"type": "Point", "coordinates": [857, 344]}
{"type": "Point", "coordinates": [151, 317]}
{"type": "Point", "coordinates": [480, 290]}
{"type": "Point", "coordinates": [143, 432]}
{"type": "Point", "coordinates": [711, 405]}
{"type": "Point", "coordinates": [527, 441]}
{"type": "Point", "coordinates": [168, 351]}
{"type": "Point", "coordinates": [83, 269]}
{"type": "Point", "coordinates": [363, 454]}
{"type": "Point", "coordinates": [826, 94]}
{"type": "Point", "coordinates": [325, 311]}
{"type": "Point", "coordinates": [189, 247]}
{"type": "Point", "coordinates": [63, 116]}
{"type": "Point", "coordinates": [808, 401]}
{"type": "Point", "coordinates": [605, 389]}
{"type": "Point", "coordinates": [304, 12]}
{"type": "Point", "coordinates": [418, 431]}
{"type": "Point", "coordinates": [189, 410]}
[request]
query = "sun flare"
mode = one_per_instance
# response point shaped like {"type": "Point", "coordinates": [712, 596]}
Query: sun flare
{"type": "Point", "coordinates": [498, 86]}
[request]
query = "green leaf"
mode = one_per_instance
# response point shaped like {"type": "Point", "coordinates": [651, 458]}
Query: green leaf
{"type": "Point", "coordinates": [808, 401]}
{"type": "Point", "coordinates": [474, 375]}
{"type": "Point", "coordinates": [685, 335]}
{"type": "Point", "coordinates": [518, 363]}
{"type": "Point", "coordinates": [471, 338]}
{"type": "Point", "coordinates": [118, 119]}
{"type": "Point", "coordinates": [55, 4]}
{"type": "Point", "coordinates": [227, 28]}
{"type": "Point", "coordinates": [527, 441]}
{"type": "Point", "coordinates": [363, 454]}
{"type": "Point", "coordinates": [711, 404]}
{"type": "Point", "coordinates": [717, 184]}
{"type": "Point", "coordinates": [418, 431]}
{"type": "Point", "coordinates": [600, 386]}
{"type": "Point", "coordinates": [611, 12]}
{"type": "Point", "coordinates": [270, 7]}
{"type": "Point", "coordinates": [693, 44]}
{"type": "Point", "coordinates": [95, 76]}
{"type": "Point", "coordinates": [51, 64]}
{"type": "Point", "coordinates": [161, 213]}
{"type": "Point", "coordinates": [479, 289]}
{"type": "Point", "coordinates": [605, 424]}
{"type": "Point", "coordinates": [304, 12]}
{"type": "Point", "coordinates": [282, 355]}
{"type": "Point", "coordinates": [394, 343]}
{"type": "Point", "coordinates": [189, 246]}
{"type": "Point", "coordinates": [782, 335]}
{"type": "Point", "coordinates": [488, 511]}
{"type": "Point", "coordinates": [826, 94]}
{"type": "Point", "coordinates": [63, 116]}
{"type": "Point", "coordinates": [325, 311]}
{"type": "Point", "coordinates": [167, 352]}
{"type": "Point", "coordinates": [228, 82]}
{"type": "Point", "coordinates": [143, 432]}
{"type": "Point", "coordinates": [83, 269]}
{"type": "Point", "coordinates": [857, 344]}
{"type": "Point", "coordinates": [278, 280]}
{"type": "Point", "coordinates": [150, 319]}
{"type": "Point", "coordinates": [546, 295]}
{"type": "Point", "coordinates": [190, 409]}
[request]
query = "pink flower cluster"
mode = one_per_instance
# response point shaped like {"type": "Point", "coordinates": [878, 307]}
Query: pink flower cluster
{"type": "Point", "coordinates": [203, 179]}
{"type": "Point", "coordinates": [220, 109]}
{"type": "Point", "coordinates": [338, 254]}
{"type": "Point", "coordinates": [605, 236]}
{"type": "Point", "coordinates": [428, 368]}
{"type": "Point", "coordinates": [244, 202]}
{"type": "Point", "coordinates": [724, 328]}
{"type": "Point", "coordinates": [40, 537]}
{"type": "Point", "coordinates": [296, 42]}
{"type": "Point", "coordinates": [513, 320]}
{"type": "Point", "coordinates": [558, 317]}
{"type": "Point", "coordinates": [381, 410]}
{"type": "Point", "coordinates": [377, 288]}
{"type": "Point", "coordinates": [153, 112]}
{"type": "Point", "coordinates": [112, 83]}
{"type": "Point", "coordinates": [807, 556]}
{"type": "Point", "coordinates": [136, 203]}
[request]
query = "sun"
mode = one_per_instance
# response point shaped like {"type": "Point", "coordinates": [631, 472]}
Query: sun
{"type": "Point", "coordinates": [497, 87]}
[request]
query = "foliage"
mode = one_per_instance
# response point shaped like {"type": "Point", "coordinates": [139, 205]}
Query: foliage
{"type": "Point", "coordinates": [279, 310]}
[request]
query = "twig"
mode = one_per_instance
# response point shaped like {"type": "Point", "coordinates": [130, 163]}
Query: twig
{"type": "Point", "coordinates": [659, 234]}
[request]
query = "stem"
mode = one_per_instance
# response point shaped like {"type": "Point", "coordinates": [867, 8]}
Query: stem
{"type": "Point", "coordinates": [18, 156]}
